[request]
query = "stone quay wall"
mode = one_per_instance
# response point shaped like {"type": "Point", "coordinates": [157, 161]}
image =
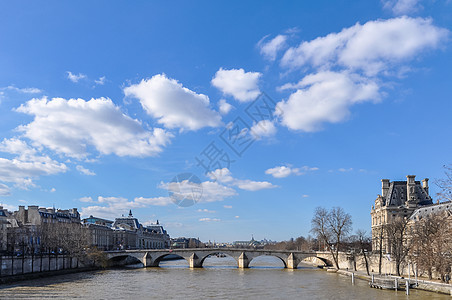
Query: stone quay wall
{"type": "Point", "coordinates": [11, 266]}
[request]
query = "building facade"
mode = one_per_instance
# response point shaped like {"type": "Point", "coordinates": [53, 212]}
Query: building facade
{"type": "Point", "coordinates": [3, 229]}
{"type": "Point", "coordinates": [397, 199]}
{"type": "Point", "coordinates": [125, 233]}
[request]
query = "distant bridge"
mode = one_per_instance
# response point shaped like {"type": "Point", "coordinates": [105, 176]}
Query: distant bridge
{"type": "Point", "coordinates": [196, 256]}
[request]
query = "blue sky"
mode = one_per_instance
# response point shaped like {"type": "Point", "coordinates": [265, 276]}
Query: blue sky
{"type": "Point", "coordinates": [103, 103]}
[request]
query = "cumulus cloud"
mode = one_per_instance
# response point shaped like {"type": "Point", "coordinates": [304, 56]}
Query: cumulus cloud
{"type": "Point", "coordinates": [401, 7]}
{"type": "Point", "coordinates": [264, 128]}
{"type": "Point", "coordinates": [174, 105]}
{"type": "Point", "coordinates": [22, 90]}
{"type": "Point", "coordinates": [349, 67]}
{"type": "Point", "coordinates": [86, 199]}
{"type": "Point", "coordinates": [325, 97]}
{"type": "Point", "coordinates": [241, 85]}
{"type": "Point", "coordinates": [287, 170]}
{"type": "Point", "coordinates": [85, 171]}
{"type": "Point", "coordinates": [75, 77]}
{"type": "Point", "coordinates": [211, 191]}
{"type": "Point", "coordinates": [209, 220]}
{"type": "Point", "coordinates": [225, 176]}
{"type": "Point", "coordinates": [372, 47]}
{"type": "Point", "coordinates": [27, 165]}
{"type": "Point", "coordinates": [269, 49]}
{"type": "Point", "coordinates": [111, 207]}
{"type": "Point", "coordinates": [72, 126]}
{"type": "Point", "coordinates": [224, 107]}
{"type": "Point", "coordinates": [206, 211]}
{"type": "Point", "coordinates": [101, 80]}
{"type": "Point", "coordinates": [4, 190]}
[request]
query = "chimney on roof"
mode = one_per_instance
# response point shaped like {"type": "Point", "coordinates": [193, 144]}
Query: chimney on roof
{"type": "Point", "coordinates": [130, 213]}
{"type": "Point", "coordinates": [425, 184]}
{"type": "Point", "coordinates": [384, 187]}
{"type": "Point", "coordinates": [410, 188]}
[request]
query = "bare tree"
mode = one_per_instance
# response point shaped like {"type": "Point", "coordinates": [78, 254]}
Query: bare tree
{"type": "Point", "coordinates": [364, 244]}
{"type": "Point", "coordinates": [446, 184]}
{"type": "Point", "coordinates": [432, 245]}
{"type": "Point", "coordinates": [380, 235]}
{"type": "Point", "coordinates": [332, 227]}
{"type": "Point", "coordinates": [399, 241]}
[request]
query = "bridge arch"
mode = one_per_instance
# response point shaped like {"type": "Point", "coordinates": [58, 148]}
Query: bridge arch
{"type": "Point", "coordinates": [316, 260]}
{"type": "Point", "coordinates": [235, 257]}
{"type": "Point", "coordinates": [122, 260]}
{"type": "Point", "coordinates": [158, 259]}
{"type": "Point", "coordinates": [283, 259]}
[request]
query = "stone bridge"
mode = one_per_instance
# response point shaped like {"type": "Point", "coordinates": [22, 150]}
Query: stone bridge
{"type": "Point", "coordinates": [196, 256]}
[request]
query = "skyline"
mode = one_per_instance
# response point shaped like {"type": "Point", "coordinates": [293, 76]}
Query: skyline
{"type": "Point", "coordinates": [102, 112]}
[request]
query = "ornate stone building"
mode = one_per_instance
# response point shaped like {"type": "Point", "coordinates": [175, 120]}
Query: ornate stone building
{"type": "Point", "coordinates": [397, 199]}
{"type": "Point", "coordinates": [126, 233]}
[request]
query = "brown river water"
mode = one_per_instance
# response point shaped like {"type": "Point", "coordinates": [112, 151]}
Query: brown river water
{"type": "Point", "coordinates": [219, 279]}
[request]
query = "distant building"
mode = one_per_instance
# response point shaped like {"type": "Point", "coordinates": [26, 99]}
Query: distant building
{"type": "Point", "coordinates": [126, 233]}
{"type": "Point", "coordinates": [247, 244]}
{"type": "Point", "coordinates": [28, 229]}
{"type": "Point", "coordinates": [23, 232]}
{"type": "Point", "coordinates": [398, 199]}
{"type": "Point", "coordinates": [100, 232]}
{"type": "Point", "coordinates": [183, 242]}
{"type": "Point", "coordinates": [3, 229]}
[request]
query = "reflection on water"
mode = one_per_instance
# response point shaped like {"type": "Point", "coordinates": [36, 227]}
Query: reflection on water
{"type": "Point", "coordinates": [220, 278]}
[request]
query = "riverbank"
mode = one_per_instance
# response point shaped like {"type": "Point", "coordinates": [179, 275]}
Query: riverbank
{"type": "Point", "coordinates": [424, 285]}
{"type": "Point", "coordinates": [30, 276]}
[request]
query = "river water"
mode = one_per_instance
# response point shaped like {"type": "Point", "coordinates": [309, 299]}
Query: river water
{"type": "Point", "coordinates": [219, 279]}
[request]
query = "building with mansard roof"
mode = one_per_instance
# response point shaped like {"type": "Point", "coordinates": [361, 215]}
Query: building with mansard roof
{"type": "Point", "coordinates": [407, 199]}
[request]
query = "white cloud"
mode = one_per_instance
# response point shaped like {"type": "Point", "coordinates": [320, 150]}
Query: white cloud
{"type": "Point", "coordinates": [305, 196]}
{"type": "Point", "coordinates": [27, 165]}
{"type": "Point", "coordinates": [325, 97]}
{"type": "Point", "coordinates": [264, 128]}
{"type": "Point", "coordinates": [250, 185]}
{"type": "Point", "coordinates": [157, 201]}
{"type": "Point", "coordinates": [86, 199]}
{"type": "Point", "coordinates": [174, 105]}
{"type": "Point", "coordinates": [241, 85]}
{"type": "Point", "coordinates": [224, 107]}
{"type": "Point", "coordinates": [372, 47]}
{"type": "Point", "coordinates": [345, 170]}
{"type": "Point", "coordinates": [71, 126]}
{"type": "Point", "coordinates": [209, 220]}
{"type": "Point", "coordinates": [401, 7]}
{"type": "Point", "coordinates": [53, 190]}
{"type": "Point", "coordinates": [227, 206]}
{"type": "Point", "coordinates": [101, 80]}
{"type": "Point", "coordinates": [206, 211]}
{"type": "Point", "coordinates": [111, 207]}
{"type": "Point", "coordinates": [271, 48]}
{"type": "Point", "coordinates": [75, 77]}
{"type": "Point", "coordinates": [225, 176]}
{"type": "Point", "coordinates": [22, 90]}
{"type": "Point", "coordinates": [4, 190]}
{"type": "Point", "coordinates": [237, 217]}
{"type": "Point", "coordinates": [85, 171]}
{"type": "Point", "coordinates": [211, 191]}
{"type": "Point", "coordinates": [284, 171]}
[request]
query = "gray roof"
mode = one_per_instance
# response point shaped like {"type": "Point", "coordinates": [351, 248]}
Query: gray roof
{"type": "Point", "coordinates": [397, 194]}
{"type": "Point", "coordinates": [427, 210]}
